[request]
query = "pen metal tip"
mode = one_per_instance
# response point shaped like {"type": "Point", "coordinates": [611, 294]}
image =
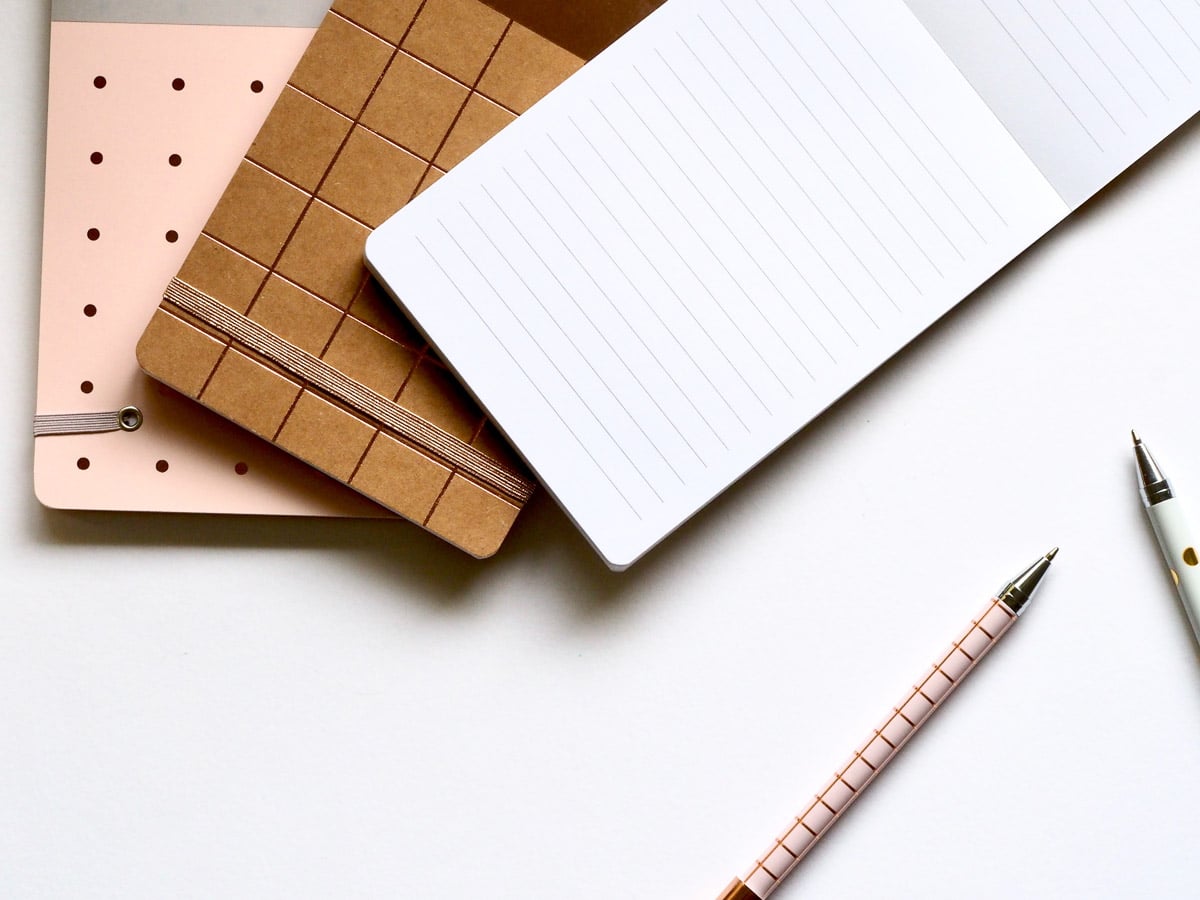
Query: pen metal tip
{"type": "Point", "coordinates": [1053, 553]}
{"type": "Point", "coordinates": [1136, 440]}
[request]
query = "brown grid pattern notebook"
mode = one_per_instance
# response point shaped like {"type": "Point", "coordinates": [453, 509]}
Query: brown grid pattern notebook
{"type": "Point", "coordinates": [273, 320]}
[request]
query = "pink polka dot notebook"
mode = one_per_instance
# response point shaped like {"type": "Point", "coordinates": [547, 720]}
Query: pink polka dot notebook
{"type": "Point", "coordinates": [151, 109]}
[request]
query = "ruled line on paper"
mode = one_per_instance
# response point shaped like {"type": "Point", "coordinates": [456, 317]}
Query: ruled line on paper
{"type": "Point", "coordinates": [575, 389]}
{"type": "Point", "coordinates": [850, 69]}
{"type": "Point", "coordinates": [587, 361]}
{"type": "Point", "coordinates": [1157, 40]}
{"type": "Point", "coordinates": [1180, 26]}
{"type": "Point", "coordinates": [781, 207]}
{"type": "Point", "coordinates": [1085, 86]}
{"type": "Point", "coordinates": [641, 295]}
{"type": "Point", "coordinates": [718, 345]}
{"type": "Point", "coordinates": [741, 201]}
{"type": "Point", "coordinates": [754, 348]}
{"type": "Point", "coordinates": [1045, 78]}
{"type": "Point", "coordinates": [453, 282]}
{"type": "Point", "coordinates": [852, 163]}
{"type": "Point", "coordinates": [857, 127]}
{"type": "Point", "coordinates": [737, 238]}
{"type": "Point", "coordinates": [550, 359]}
{"type": "Point", "coordinates": [1070, 65]}
{"type": "Point", "coordinates": [831, 182]}
{"type": "Point", "coordinates": [683, 304]}
{"type": "Point", "coordinates": [1116, 33]}
{"type": "Point", "coordinates": [1073, 49]}
{"type": "Point", "coordinates": [612, 305]}
{"type": "Point", "coordinates": [970, 179]}
{"type": "Point", "coordinates": [837, 57]}
{"type": "Point", "coordinates": [1100, 58]}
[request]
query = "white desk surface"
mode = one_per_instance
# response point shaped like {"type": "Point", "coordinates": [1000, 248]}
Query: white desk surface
{"type": "Point", "coordinates": [221, 707]}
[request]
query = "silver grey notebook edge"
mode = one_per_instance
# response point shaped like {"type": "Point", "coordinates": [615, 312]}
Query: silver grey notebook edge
{"type": "Point", "coordinates": [293, 13]}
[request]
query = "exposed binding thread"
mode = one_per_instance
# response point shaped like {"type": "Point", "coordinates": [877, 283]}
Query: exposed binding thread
{"type": "Point", "coordinates": [128, 418]}
{"type": "Point", "coordinates": [337, 384]}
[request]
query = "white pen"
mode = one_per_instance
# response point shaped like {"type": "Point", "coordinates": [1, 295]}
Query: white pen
{"type": "Point", "coordinates": [1175, 534]}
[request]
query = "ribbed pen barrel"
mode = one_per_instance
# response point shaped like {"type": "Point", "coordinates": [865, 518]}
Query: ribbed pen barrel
{"type": "Point", "coordinates": [875, 753]}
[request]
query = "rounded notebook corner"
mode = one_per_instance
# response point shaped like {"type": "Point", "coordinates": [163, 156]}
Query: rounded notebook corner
{"type": "Point", "coordinates": [617, 562]}
{"type": "Point", "coordinates": [45, 495]}
{"type": "Point", "coordinates": [140, 353]}
{"type": "Point", "coordinates": [370, 249]}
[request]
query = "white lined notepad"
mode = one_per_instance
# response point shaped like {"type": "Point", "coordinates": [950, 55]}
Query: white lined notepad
{"type": "Point", "coordinates": [674, 262]}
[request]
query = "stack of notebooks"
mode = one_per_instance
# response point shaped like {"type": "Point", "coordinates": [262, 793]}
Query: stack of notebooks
{"type": "Point", "coordinates": [238, 158]}
{"type": "Point", "coordinates": [661, 265]}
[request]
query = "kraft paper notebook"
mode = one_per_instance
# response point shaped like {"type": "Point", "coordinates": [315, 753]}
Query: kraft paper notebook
{"type": "Point", "coordinates": [151, 106]}
{"type": "Point", "coordinates": [740, 209]}
{"type": "Point", "coordinates": [273, 320]}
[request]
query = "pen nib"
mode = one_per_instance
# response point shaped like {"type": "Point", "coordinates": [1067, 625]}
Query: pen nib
{"type": "Point", "coordinates": [1018, 592]}
{"type": "Point", "coordinates": [1154, 486]}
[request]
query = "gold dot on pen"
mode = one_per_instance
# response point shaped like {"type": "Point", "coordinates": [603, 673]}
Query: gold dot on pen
{"type": "Point", "coordinates": [1175, 577]}
{"type": "Point", "coordinates": [1189, 556]}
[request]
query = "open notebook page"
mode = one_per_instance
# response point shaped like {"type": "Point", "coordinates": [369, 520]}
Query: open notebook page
{"type": "Point", "coordinates": [669, 266]}
{"type": "Point", "coordinates": [1086, 86]}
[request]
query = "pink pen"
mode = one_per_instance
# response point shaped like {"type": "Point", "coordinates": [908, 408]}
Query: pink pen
{"type": "Point", "coordinates": [901, 723]}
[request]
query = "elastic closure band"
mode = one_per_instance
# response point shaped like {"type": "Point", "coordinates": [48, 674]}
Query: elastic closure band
{"type": "Point", "coordinates": [319, 374]}
{"type": "Point", "coordinates": [128, 418]}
